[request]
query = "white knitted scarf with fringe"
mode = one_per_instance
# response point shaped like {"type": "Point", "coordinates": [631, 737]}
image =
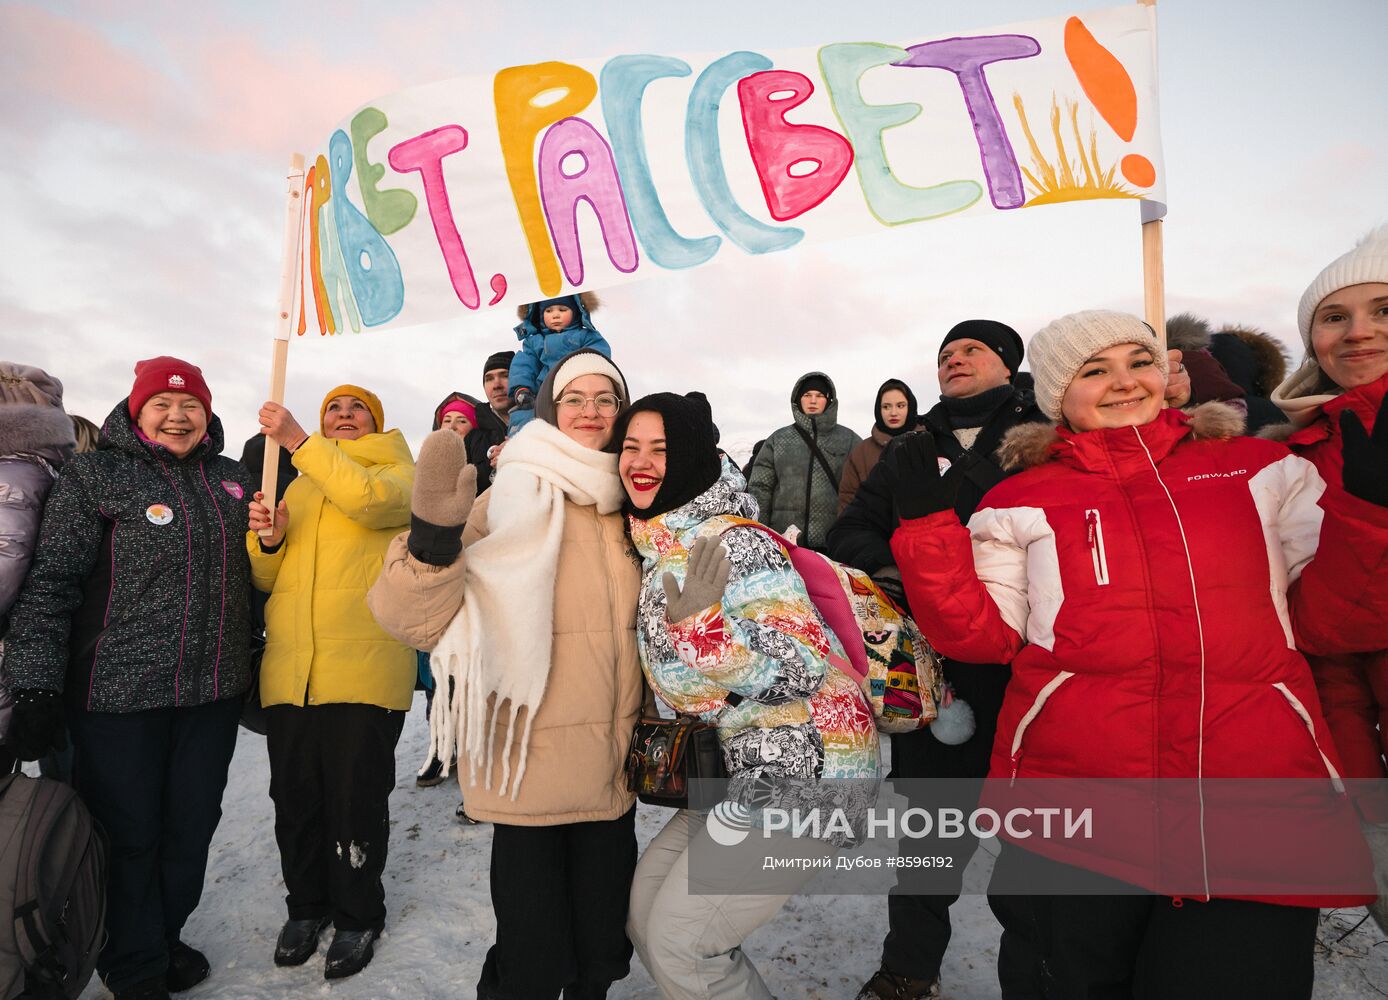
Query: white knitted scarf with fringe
{"type": "Point", "coordinates": [496, 650]}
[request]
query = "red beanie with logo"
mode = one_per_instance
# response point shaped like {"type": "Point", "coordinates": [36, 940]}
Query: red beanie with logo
{"type": "Point", "coordinates": [166, 374]}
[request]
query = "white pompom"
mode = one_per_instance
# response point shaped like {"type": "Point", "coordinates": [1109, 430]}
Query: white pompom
{"type": "Point", "coordinates": [955, 722]}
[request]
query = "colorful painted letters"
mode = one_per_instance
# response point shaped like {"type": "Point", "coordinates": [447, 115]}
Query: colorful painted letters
{"type": "Point", "coordinates": [565, 174]}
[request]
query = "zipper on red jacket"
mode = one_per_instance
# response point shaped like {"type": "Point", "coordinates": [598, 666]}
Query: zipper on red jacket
{"type": "Point", "coordinates": [1200, 634]}
{"type": "Point", "coordinates": [1095, 533]}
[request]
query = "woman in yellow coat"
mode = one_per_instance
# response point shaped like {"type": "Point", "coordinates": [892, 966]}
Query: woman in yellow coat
{"type": "Point", "coordinates": [336, 687]}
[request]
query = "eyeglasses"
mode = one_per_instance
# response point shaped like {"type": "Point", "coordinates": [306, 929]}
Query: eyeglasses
{"type": "Point", "coordinates": [607, 403]}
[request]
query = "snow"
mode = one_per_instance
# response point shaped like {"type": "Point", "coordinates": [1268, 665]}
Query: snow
{"type": "Point", "coordinates": [440, 924]}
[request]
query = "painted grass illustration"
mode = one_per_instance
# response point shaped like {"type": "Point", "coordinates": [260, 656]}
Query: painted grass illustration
{"type": "Point", "coordinates": [1052, 183]}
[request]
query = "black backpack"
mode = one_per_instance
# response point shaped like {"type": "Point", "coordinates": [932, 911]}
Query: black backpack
{"type": "Point", "coordinates": [52, 889]}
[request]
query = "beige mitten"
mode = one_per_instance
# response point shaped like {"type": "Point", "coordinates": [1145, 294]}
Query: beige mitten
{"type": "Point", "coordinates": [445, 486]}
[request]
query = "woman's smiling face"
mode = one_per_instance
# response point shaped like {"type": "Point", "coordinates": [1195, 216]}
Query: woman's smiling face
{"type": "Point", "coordinates": [176, 420]}
{"type": "Point", "coordinates": [347, 419]}
{"type": "Point", "coordinates": [1119, 387]}
{"type": "Point", "coordinates": [642, 463]}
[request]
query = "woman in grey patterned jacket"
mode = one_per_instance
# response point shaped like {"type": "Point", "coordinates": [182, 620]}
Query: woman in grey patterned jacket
{"type": "Point", "coordinates": [133, 627]}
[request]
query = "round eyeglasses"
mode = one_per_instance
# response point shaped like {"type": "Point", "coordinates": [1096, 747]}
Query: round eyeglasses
{"type": "Point", "coordinates": [607, 403]}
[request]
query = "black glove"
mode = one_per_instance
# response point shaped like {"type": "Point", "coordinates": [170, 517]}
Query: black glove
{"type": "Point", "coordinates": [1366, 457]}
{"type": "Point", "coordinates": [917, 489]}
{"type": "Point", "coordinates": [524, 399]}
{"type": "Point", "coordinates": [37, 725]}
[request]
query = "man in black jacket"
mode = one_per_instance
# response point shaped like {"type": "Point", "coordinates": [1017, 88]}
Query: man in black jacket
{"type": "Point", "coordinates": [979, 403]}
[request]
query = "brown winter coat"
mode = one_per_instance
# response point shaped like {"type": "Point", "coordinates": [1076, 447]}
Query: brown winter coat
{"type": "Point", "coordinates": [582, 729]}
{"type": "Point", "coordinates": [861, 459]}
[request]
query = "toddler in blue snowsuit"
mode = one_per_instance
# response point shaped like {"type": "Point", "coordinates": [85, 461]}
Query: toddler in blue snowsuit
{"type": "Point", "coordinates": [549, 331]}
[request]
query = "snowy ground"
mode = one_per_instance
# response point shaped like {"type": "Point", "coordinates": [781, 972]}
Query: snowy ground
{"type": "Point", "coordinates": [440, 922]}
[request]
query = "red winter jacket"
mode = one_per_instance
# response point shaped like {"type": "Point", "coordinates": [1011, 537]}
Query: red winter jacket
{"type": "Point", "coordinates": [1353, 686]}
{"type": "Point", "coordinates": [1147, 584]}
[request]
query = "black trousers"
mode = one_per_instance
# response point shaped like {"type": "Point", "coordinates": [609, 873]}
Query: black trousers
{"type": "Point", "coordinates": [154, 781]}
{"type": "Point", "coordinates": [560, 898]}
{"type": "Point", "coordinates": [1145, 947]}
{"type": "Point", "coordinates": [332, 769]}
{"type": "Point", "coordinates": [918, 908]}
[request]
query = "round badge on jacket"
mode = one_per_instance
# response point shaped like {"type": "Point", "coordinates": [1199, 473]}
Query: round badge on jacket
{"type": "Point", "coordinates": [158, 513]}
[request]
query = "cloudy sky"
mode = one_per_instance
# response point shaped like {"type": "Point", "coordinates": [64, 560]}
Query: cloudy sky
{"type": "Point", "coordinates": [145, 147]}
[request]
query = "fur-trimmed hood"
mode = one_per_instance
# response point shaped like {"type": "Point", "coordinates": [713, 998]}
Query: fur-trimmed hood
{"type": "Point", "coordinates": [1187, 332]}
{"type": "Point", "coordinates": [1269, 358]}
{"type": "Point", "coordinates": [588, 300]}
{"type": "Point", "coordinates": [1031, 445]}
{"type": "Point", "coordinates": [32, 429]}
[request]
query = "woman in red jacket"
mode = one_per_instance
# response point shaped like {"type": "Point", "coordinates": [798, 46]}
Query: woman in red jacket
{"type": "Point", "coordinates": [1336, 396]}
{"type": "Point", "coordinates": [1147, 578]}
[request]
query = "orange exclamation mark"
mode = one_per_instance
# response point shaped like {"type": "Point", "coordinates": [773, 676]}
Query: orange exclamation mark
{"type": "Point", "coordinates": [1107, 85]}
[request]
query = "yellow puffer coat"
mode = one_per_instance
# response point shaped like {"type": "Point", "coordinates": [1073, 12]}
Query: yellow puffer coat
{"type": "Point", "coordinates": [322, 645]}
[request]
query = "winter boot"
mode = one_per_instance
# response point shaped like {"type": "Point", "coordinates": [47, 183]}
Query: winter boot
{"type": "Point", "coordinates": [153, 988]}
{"type": "Point", "coordinates": [187, 967]}
{"type": "Point", "coordinates": [431, 775]}
{"type": "Point", "coordinates": [887, 985]}
{"type": "Point", "coordinates": [349, 953]}
{"type": "Point", "coordinates": [298, 940]}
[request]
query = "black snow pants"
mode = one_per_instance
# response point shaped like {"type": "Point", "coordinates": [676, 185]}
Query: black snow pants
{"type": "Point", "coordinates": [332, 769]}
{"type": "Point", "coordinates": [918, 908]}
{"type": "Point", "coordinates": [560, 898]}
{"type": "Point", "coordinates": [1143, 947]}
{"type": "Point", "coordinates": [154, 781]}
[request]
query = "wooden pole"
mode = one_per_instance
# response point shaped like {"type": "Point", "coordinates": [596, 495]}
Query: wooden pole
{"type": "Point", "coordinates": [289, 270]}
{"type": "Point", "coordinates": [1153, 266]}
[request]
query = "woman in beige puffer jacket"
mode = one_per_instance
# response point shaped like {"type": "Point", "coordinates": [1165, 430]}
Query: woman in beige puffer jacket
{"type": "Point", "coordinates": [529, 610]}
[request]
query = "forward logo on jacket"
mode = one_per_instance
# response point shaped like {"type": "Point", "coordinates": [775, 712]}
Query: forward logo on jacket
{"type": "Point", "coordinates": [1217, 475]}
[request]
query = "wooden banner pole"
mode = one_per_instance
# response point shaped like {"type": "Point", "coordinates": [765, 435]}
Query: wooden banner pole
{"type": "Point", "coordinates": [289, 271]}
{"type": "Point", "coordinates": [1153, 267]}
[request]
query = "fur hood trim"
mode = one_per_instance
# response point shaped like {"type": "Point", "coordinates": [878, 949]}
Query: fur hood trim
{"type": "Point", "coordinates": [1277, 432]}
{"type": "Point", "coordinates": [31, 428]}
{"type": "Point", "coordinates": [1269, 353]}
{"type": "Point", "coordinates": [1029, 445]}
{"type": "Point", "coordinates": [589, 300]}
{"type": "Point", "coordinates": [1187, 332]}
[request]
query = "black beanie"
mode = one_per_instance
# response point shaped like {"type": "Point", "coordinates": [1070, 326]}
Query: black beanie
{"type": "Point", "coordinates": [501, 359]}
{"type": "Point", "coordinates": [813, 383]}
{"type": "Point", "coordinates": [912, 413]}
{"type": "Point", "coordinates": [999, 336]}
{"type": "Point", "coordinates": [692, 464]}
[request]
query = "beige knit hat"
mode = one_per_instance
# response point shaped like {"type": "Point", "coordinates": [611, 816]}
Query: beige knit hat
{"type": "Point", "coordinates": [25, 384]}
{"type": "Point", "coordinates": [1059, 349]}
{"type": "Point", "coordinates": [1302, 394]}
{"type": "Point", "coordinates": [1367, 262]}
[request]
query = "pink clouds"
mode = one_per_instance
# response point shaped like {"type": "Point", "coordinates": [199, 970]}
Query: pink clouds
{"type": "Point", "coordinates": [225, 90]}
{"type": "Point", "coordinates": [58, 61]}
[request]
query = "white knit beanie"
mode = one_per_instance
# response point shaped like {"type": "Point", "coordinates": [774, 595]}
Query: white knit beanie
{"type": "Point", "coordinates": [1367, 262]}
{"type": "Point", "coordinates": [1302, 393]}
{"type": "Point", "coordinates": [1059, 349]}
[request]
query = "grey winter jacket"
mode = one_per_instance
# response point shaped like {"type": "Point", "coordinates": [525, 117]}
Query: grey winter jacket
{"type": "Point", "coordinates": [35, 442]}
{"type": "Point", "coordinates": [788, 482]}
{"type": "Point", "coordinates": [138, 596]}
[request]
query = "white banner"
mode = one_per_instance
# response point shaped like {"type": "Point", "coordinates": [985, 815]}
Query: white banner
{"type": "Point", "coordinates": [441, 200]}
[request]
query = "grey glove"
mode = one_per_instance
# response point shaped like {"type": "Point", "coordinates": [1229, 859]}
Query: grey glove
{"type": "Point", "coordinates": [704, 581]}
{"type": "Point", "coordinates": [445, 486]}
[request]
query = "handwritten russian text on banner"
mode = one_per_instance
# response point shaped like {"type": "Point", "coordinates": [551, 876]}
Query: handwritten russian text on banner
{"type": "Point", "coordinates": [445, 199]}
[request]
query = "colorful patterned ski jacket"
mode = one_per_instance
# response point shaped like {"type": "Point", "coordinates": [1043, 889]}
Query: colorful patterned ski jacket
{"type": "Point", "coordinates": [764, 647]}
{"type": "Point", "coordinates": [1150, 586]}
{"type": "Point", "coordinates": [138, 596]}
